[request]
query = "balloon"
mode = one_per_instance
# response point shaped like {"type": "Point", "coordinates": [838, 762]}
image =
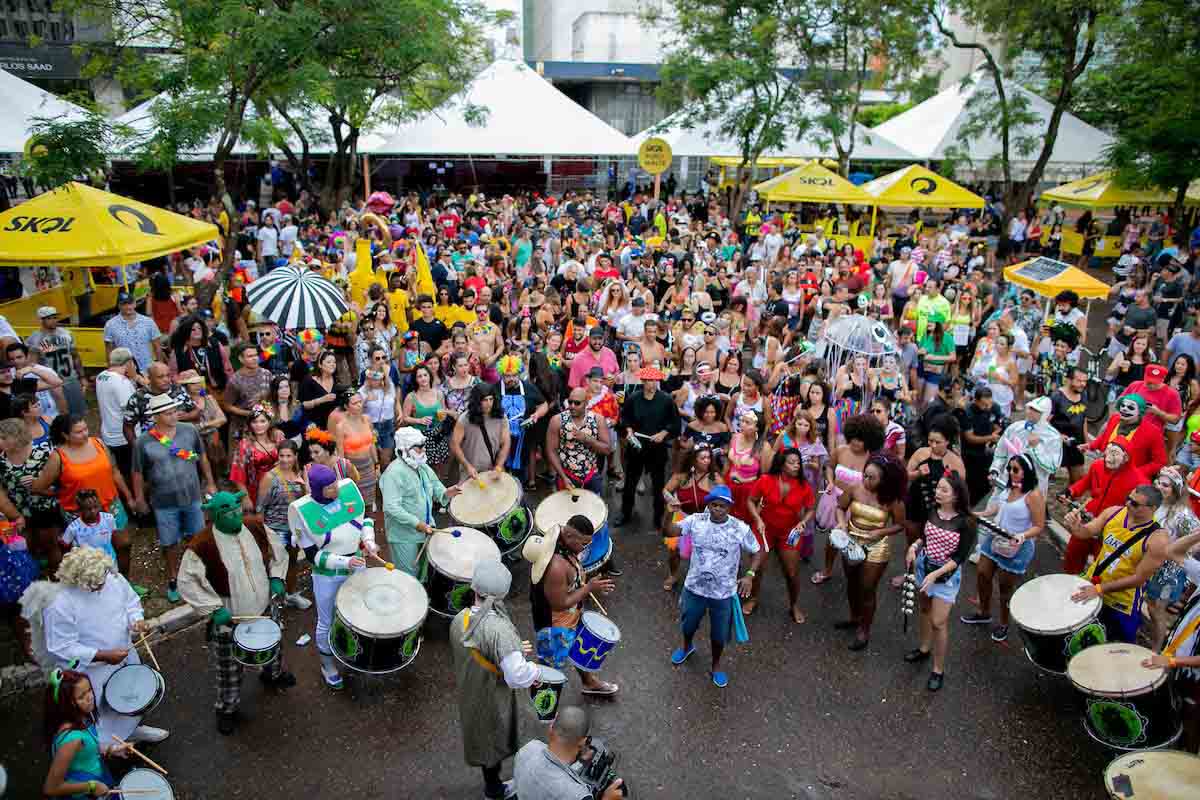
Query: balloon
{"type": "Point", "coordinates": [385, 234]}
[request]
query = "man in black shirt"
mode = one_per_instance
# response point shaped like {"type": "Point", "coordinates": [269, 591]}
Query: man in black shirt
{"type": "Point", "coordinates": [430, 329]}
{"type": "Point", "coordinates": [982, 429]}
{"type": "Point", "coordinates": [949, 400]}
{"type": "Point", "coordinates": [649, 419]}
{"type": "Point", "coordinates": [1068, 416]}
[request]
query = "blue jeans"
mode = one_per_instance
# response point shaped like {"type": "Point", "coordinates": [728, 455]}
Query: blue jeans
{"type": "Point", "coordinates": [692, 608]}
{"type": "Point", "coordinates": [178, 524]}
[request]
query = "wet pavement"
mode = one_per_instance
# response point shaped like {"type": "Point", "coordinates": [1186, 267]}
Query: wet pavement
{"type": "Point", "coordinates": [803, 717]}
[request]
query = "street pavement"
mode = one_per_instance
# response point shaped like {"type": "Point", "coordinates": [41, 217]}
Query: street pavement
{"type": "Point", "coordinates": [803, 717]}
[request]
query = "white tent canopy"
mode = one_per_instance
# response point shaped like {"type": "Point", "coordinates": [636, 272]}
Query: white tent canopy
{"type": "Point", "coordinates": [24, 102]}
{"type": "Point", "coordinates": [525, 115]}
{"type": "Point", "coordinates": [930, 130]}
{"type": "Point", "coordinates": [708, 140]}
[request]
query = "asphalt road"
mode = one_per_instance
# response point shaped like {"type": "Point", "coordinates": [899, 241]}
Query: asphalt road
{"type": "Point", "coordinates": [803, 717]}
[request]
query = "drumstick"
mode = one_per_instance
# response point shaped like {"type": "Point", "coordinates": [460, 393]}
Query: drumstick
{"type": "Point", "coordinates": [149, 652]}
{"type": "Point", "coordinates": [390, 566]}
{"type": "Point", "coordinates": [597, 602]}
{"type": "Point", "coordinates": [141, 755]}
{"type": "Point", "coordinates": [244, 619]}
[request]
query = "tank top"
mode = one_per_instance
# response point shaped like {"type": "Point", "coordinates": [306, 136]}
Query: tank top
{"type": "Point", "coordinates": [95, 473]}
{"type": "Point", "coordinates": [921, 489]}
{"type": "Point", "coordinates": [691, 498]}
{"type": "Point", "coordinates": [741, 408]}
{"type": "Point", "coordinates": [1116, 534]}
{"type": "Point", "coordinates": [1014, 516]}
{"type": "Point", "coordinates": [889, 391]}
{"type": "Point", "coordinates": [743, 464]}
{"type": "Point", "coordinates": [576, 457]}
{"type": "Point", "coordinates": [847, 476]}
{"type": "Point", "coordinates": [422, 410]}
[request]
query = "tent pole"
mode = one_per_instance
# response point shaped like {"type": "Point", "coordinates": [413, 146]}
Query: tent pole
{"type": "Point", "coordinates": [366, 176]}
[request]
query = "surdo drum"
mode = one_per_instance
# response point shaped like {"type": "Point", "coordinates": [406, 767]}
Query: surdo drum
{"type": "Point", "coordinates": [1126, 706]}
{"type": "Point", "coordinates": [452, 556]}
{"type": "Point", "coordinates": [377, 620]}
{"type": "Point", "coordinates": [559, 507]}
{"type": "Point", "coordinates": [494, 504]}
{"type": "Point", "coordinates": [1053, 626]}
{"type": "Point", "coordinates": [145, 784]}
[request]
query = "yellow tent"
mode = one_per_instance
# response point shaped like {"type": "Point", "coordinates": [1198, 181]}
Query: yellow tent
{"type": "Point", "coordinates": [1048, 277]}
{"type": "Point", "coordinates": [763, 161]}
{"type": "Point", "coordinates": [78, 226]}
{"type": "Point", "coordinates": [812, 183]}
{"type": "Point", "coordinates": [1101, 191]}
{"type": "Point", "coordinates": [916, 187]}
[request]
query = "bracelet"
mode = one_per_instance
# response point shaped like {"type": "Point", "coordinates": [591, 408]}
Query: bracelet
{"type": "Point", "coordinates": [91, 788]}
{"type": "Point", "coordinates": [1099, 588]}
{"type": "Point", "coordinates": [750, 573]}
{"type": "Point", "coordinates": [1171, 662]}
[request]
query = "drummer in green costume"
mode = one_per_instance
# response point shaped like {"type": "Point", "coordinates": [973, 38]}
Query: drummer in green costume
{"type": "Point", "coordinates": [490, 665]}
{"type": "Point", "coordinates": [410, 489]}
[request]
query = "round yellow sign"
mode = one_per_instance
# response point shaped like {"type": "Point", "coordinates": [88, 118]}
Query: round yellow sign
{"type": "Point", "coordinates": [654, 156]}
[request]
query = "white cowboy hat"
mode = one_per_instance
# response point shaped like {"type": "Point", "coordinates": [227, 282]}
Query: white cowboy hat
{"type": "Point", "coordinates": [160, 403]}
{"type": "Point", "coordinates": [539, 549]}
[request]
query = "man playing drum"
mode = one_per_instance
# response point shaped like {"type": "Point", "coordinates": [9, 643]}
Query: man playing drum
{"type": "Point", "coordinates": [575, 441]}
{"type": "Point", "coordinates": [489, 666]}
{"type": "Point", "coordinates": [523, 406]}
{"type": "Point", "coordinates": [1132, 549]}
{"type": "Point", "coordinates": [557, 594]}
{"type": "Point", "coordinates": [234, 568]}
{"type": "Point", "coordinates": [410, 488]}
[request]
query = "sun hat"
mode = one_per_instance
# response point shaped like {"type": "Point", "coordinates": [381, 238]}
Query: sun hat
{"type": "Point", "coordinates": [161, 403]}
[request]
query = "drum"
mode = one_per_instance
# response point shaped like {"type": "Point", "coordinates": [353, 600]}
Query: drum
{"type": "Point", "coordinates": [377, 618]}
{"type": "Point", "coordinates": [256, 642]}
{"type": "Point", "coordinates": [1053, 626]}
{"type": "Point", "coordinates": [134, 690]}
{"type": "Point", "coordinates": [1153, 775]}
{"type": "Point", "coordinates": [594, 640]}
{"type": "Point", "coordinates": [1127, 706]}
{"type": "Point", "coordinates": [145, 784]}
{"type": "Point", "coordinates": [546, 694]}
{"type": "Point", "coordinates": [497, 508]}
{"type": "Point", "coordinates": [452, 557]}
{"type": "Point", "coordinates": [562, 505]}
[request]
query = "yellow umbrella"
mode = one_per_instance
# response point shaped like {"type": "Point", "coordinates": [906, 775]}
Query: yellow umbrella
{"type": "Point", "coordinates": [1101, 191]}
{"type": "Point", "coordinates": [812, 183]}
{"type": "Point", "coordinates": [78, 226]}
{"type": "Point", "coordinates": [916, 187]}
{"type": "Point", "coordinates": [1048, 277]}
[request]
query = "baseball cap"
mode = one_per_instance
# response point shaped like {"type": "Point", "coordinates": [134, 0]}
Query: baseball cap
{"type": "Point", "coordinates": [124, 297]}
{"type": "Point", "coordinates": [120, 356]}
{"type": "Point", "coordinates": [1156, 372]}
{"type": "Point", "coordinates": [639, 301]}
{"type": "Point", "coordinates": [47, 311]}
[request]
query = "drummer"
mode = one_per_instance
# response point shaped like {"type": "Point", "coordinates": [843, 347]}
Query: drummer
{"type": "Point", "coordinates": [89, 615]}
{"type": "Point", "coordinates": [575, 441]}
{"type": "Point", "coordinates": [410, 488]}
{"type": "Point", "coordinates": [1133, 547]}
{"type": "Point", "coordinates": [1181, 654]}
{"type": "Point", "coordinates": [558, 592]}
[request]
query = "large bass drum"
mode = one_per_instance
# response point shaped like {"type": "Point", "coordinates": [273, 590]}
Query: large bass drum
{"type": "Point", "coordinates": [559, 507]}
{"type": "Point", "coordinates": [1126, 706]}
{"type": "Point", "coordinates": [377, 620]}
{"type": "Point", "coordinates": [453, 555]}
{"type": "Point", "coordinates": [495, 505]}
{"type": "Point", "coordinates": [1053, 626]}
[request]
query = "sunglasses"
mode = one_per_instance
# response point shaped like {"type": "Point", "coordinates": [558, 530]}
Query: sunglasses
{"type": "Point", "coordinates": [1134, 503]}
{"type": "Point", "coordinates": [574, 402]}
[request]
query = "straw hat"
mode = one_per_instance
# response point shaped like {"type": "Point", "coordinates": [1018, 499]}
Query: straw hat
{"type": "Point", "coordinates": [539, 549]}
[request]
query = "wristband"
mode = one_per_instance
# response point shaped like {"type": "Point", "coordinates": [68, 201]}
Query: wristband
{"type": "Point", "coordinates": [750, 573]}
{"type": "Point", "coordinates": [1172, 663]}
{"type": "Point", "coordinates": [91, 788]}
{"type": "Point", "coordinates": [1099, 588]}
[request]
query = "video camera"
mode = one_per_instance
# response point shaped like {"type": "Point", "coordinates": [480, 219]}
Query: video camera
{"type": "Point", "coordinates": [597, 766]}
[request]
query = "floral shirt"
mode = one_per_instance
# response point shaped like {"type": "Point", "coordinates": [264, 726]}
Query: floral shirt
{"type": "Point", "coordinates": [137, 410]}
{"type": "Point", "coordinates": [136, 338]}
{"type": "Point", "coordinates": [716, 554]}
{"type": "Point", "coordinates": [10, 478]}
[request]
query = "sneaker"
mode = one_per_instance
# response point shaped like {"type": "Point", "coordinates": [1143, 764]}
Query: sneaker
{"type": "Point", "coordinates": [148, 734]}
{"type": "Point", "coordinates": [679, 655]}
{"type": "Point", "coordinates": [999, 633]}
{"type": "Point", "coordinates": [720, 679]}
{"type": "Point", "coordinates": [936, 679]}
{"type": "Point", "coordinates": [226, 722]}
{"type": "Point", "coordinates": [173, 595]}
{"type": "Point", "coordinates": [299, 601]}
{"type": "Point", "coordinates": [976, 619]}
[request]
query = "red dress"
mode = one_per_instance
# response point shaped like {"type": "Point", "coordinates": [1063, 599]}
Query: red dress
{"type": "Point", "coordinates": [250, 464]}
{"type": "Point", "coordinates": [781, 513]}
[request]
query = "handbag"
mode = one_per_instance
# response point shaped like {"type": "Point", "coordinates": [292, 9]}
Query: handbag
{"type": "Point", "coordinates": [1006, 546]}
{"type": "Point", "coordinates": [826, 516]}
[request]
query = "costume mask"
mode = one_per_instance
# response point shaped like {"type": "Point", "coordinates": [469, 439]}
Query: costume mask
{"type": "Point", "coordinates": [225, 508]}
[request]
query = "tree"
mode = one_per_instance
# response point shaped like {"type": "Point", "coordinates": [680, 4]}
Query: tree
{"type": "Point", "coordinates": [63, 150]}
{"type": "Point", "coordinates": [1061, 36]}
{"type": "Point", "coordinates": [1148, 96]}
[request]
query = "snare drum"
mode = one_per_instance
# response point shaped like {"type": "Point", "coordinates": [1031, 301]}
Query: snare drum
{"type": "Point", "coordinates": [134, 690]}
{"type": "Point", "coordinates": [1053, 626]}
{"type": "Point", "coordinates": [145, 784]}
{"type": "Point", "coordinates": [377, 619]}
{"type": "Point", "coordinates": [546, 694]}
{"type": "Point", "coordinates": [497, 508]}
{"type": "Point", "coordinates": [1127, 706]}
{"type": "Point", "coordinates": [1153, 775]}
{"type": "Point", "coordinates": [595, 638]}
{"type": "Point", "coordinates": [562, 505]}
{"type": "Point", "coordinates": [256, 642]}
{"type": "Point", "coordinates": [453, 555]}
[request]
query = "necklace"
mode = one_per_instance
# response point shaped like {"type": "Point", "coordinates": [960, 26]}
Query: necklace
{"type": "Point", "coordinates": [169, 443]}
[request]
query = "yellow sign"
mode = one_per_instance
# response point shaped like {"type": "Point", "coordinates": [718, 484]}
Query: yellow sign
{"type": "Point", "coordinates": [654, 156]}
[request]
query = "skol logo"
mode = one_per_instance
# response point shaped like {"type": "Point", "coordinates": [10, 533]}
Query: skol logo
{"type": "Point", "coordinates": [140, 220]}
{"type": "Point", "coordinates": [816, 181]}
{"type": "Point", "coordinates": [26, 224]}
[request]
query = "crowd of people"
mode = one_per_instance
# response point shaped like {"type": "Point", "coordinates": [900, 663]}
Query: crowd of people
{"type": "Point", "coordinates": [628, 347]}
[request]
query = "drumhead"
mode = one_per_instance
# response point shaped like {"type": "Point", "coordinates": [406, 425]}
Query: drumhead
{"type": "Point", "coordinates": [561, 506]}
{"type": "Point", "coordinates": [551, 675]}
{"type": "Point", "coordinates": [1114, 670]}
{"type": "Point", "coordinates": [151, 785]}
{"type": "Point", "coordinates": [257, 634]}
{"type": "Point", "coordinates": [1153, 775]}
{"type": "Point", "coordinates": [602, 626]}
{"type": "Point", "coordinates": [382, 603]}
{"type": "Point", "coordinates": [455, 552]}
{"type": "Point", "coordinates": [131, 688]}
{"type": "Point", "coordinates": [1044, 605]}
{"type": "Point", "coordinates": [481, 506]}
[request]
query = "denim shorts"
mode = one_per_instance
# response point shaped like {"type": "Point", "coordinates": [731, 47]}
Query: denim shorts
{"type": "Point", "coordinates": [385, 434]}
{"type": "Point", "coordinates": [1167, 585]}
{"type": "Point", "coordinates": [947, 590]}
{"type": "Point", "coordinates": [1017, 564]}
{"type": "Point", "coordinates": [177, 524]}
{"type": "Point", "coordinates": [692, 608]}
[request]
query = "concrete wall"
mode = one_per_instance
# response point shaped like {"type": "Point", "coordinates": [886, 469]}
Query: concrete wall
{"type": "Point", "coordinates": [590, 30]}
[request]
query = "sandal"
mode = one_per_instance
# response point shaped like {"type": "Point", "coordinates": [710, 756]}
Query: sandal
{"type": "Point", "coordinates": [799, 616]}
{"type": "Point", "coordinates": [819, 577]}
{"type": "Point", "coordinates": [603, 690]}
{"type": "Point", "coordinates": [669, 584]}
{"type": "Point", "coordinates": [749, 607]}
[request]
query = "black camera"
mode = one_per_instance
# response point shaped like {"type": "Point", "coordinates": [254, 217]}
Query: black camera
{"type": "Point", "coordinates": [597, 766]}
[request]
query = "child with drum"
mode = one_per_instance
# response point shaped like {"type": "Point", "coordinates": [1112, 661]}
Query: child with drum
{"type": "Point", "coordinates": [77, 768]}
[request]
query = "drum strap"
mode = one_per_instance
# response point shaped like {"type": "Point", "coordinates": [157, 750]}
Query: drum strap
{"type": "Point", "coordinates": [1147, 529]}
{"type": "Point", "coordinates": [1182, 636]}
{"type": "Point", "coordinates": [475, 654]}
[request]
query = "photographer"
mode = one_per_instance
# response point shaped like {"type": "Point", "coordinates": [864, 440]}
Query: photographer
{"type": "Point", "coordinates": [543, 771]}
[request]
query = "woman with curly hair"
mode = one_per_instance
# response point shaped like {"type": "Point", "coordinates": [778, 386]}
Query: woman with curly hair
{"type": "Point", "coordinates": [685, 493]}
{"type": "Point", "coordinates": [864, 436]}
{"type": "Point", "coordinates": [871, 513]}
{"type": "Point", "coordinates": [481, 438]}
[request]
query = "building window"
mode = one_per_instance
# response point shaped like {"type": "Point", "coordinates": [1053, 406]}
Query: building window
{"type": "Point", "coordinates": [22, 28]}
{"type": "Point", "coordinates": [3, 29]}
{"type": "Point", "coordinates": [39, 27]}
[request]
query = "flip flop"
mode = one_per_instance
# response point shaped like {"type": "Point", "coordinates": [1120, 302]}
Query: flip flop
{"type": "Point", "coordinates": [799, 617]}
{"type": "Point", "coordinates": [819, 577]}
{"type": "Point", "coordinates": [679, 656]}
{"type": "Point", "coordinates": [604, 690]}
{"type": "Point", "coordinates": [720, 679]}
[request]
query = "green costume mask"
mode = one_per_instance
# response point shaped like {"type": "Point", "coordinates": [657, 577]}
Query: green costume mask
{"type": "Point", "coordinates": [225, 508]}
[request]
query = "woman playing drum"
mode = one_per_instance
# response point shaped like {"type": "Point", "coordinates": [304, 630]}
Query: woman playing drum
{"type": "Point", "coordinates": [77, 768]}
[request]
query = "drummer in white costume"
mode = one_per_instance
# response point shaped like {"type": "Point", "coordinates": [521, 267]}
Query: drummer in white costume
{"type": "Point", "coordinates": [86, 624]}
{"type": "Point", "coordinates": [410, 489]}
{"type": "Point", "coordinates": [332, 525]}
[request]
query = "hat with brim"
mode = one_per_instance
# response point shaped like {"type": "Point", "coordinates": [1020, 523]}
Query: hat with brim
{"type": "Point", "coordinates": [539, 549]}
{"type": "Point", "coordinates": [161, 403]}
{"type": "Point", "coordinates": [1156, 373]}
{"type": "Point", "coordinates": [47, 311]}
{"type": "Point", "coordinates": [719, 494]}
{"type": "Point", "coordinates": [189, 376]}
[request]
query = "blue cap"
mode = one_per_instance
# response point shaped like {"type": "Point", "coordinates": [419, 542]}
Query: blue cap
{"type": "Point", "coordinates": [720, 493]}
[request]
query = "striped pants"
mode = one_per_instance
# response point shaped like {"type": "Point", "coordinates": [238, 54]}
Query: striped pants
{"type": "Point", "coordinates": [229, 671]}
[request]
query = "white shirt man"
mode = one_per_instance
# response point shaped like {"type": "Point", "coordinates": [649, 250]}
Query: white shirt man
{"type": "Point", "coordinates": [287, 237]}
{"type": "Point", "coordinates": [268, 242]}
{"type": "Point", "coordinates": [114, 387]}
{"type": "Point", "coordinates": [633, 325]}
{"type": "Point", "coordinates": [773, 242]}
